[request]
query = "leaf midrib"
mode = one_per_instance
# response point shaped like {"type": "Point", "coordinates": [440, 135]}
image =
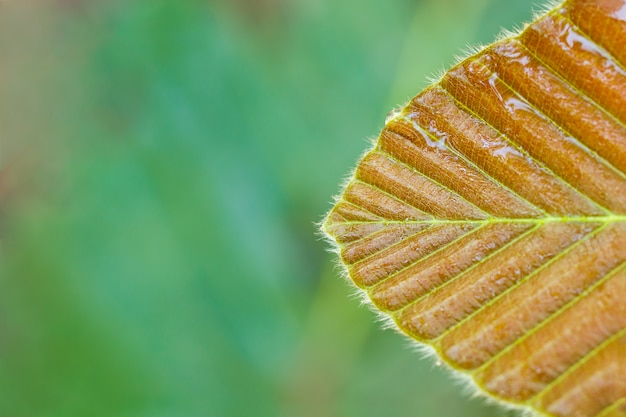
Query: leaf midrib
{"type": "Point", "coordinates": [532, 220]}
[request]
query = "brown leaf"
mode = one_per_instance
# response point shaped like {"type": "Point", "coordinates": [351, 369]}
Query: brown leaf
{"type": "Point", "coordinates": [489, 220]}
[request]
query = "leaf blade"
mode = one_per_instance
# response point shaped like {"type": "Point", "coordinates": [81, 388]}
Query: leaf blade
{"type": "Point", "coordinates": [500, 193]}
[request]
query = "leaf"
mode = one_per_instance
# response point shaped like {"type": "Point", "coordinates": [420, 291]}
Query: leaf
{"type": "Point", "coordinates": [489, 220]}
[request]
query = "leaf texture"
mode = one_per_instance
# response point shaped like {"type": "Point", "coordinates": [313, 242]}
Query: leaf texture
{"type": "Point", "coordinates": [489, 220]}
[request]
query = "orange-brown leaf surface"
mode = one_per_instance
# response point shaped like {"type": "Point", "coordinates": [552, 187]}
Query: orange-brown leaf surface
{"type": "Point", "coordinates": [489, 220]}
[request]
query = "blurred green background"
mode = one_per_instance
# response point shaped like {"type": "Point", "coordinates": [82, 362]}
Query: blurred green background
{"type": "Point", "coordinates": [162, 167]}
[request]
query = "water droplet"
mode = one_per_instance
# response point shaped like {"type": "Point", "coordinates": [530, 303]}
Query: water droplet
{"type": "Point", "coordinates": [620, 13]}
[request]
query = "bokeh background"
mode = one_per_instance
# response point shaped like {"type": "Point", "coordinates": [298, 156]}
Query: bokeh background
{"type": "Point", "coordinates": [162, 167]}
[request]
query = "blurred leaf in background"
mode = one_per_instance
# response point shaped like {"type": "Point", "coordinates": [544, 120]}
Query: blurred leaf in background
{"type": "Point", "coordinates": [168, 162]}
